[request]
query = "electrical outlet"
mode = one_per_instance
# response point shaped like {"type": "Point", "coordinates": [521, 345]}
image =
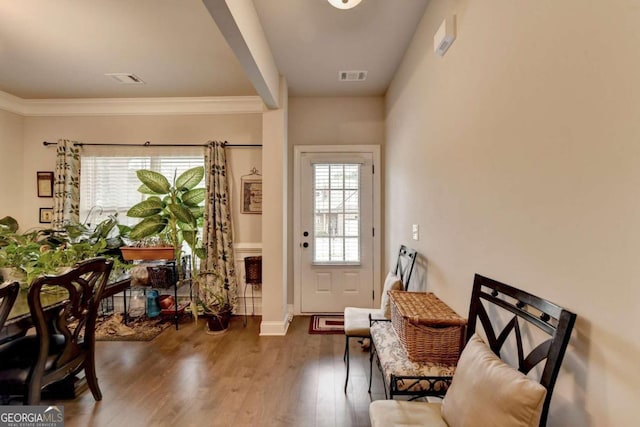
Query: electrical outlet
{"type": "Point", "coordinates": [416, 232]}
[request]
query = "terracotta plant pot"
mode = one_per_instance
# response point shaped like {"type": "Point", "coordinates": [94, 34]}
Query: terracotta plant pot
{"type": "Point", "coordinates": [132, 253]}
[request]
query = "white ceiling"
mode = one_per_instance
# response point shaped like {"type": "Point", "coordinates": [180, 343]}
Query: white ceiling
{"type": "Point", "coordinates": [63, 48]}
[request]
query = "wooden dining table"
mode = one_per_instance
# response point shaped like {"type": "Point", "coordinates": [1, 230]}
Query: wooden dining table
{"type": "Point", "coordinates": [19, 320]}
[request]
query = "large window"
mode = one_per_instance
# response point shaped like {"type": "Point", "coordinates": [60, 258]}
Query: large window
{"type": "Point", "coordinates": [336, 213]}
{"type": "Point", "coordinates": [109, 185]}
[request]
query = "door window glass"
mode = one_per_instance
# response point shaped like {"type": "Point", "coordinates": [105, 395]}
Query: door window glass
{"type": "Point", "coordinates": [336, 213]}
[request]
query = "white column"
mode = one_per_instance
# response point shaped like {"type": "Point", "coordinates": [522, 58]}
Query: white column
{"type": "Point", "coordinates": [275, 318]}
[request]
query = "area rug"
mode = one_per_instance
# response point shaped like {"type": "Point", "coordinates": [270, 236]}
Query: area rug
{"type": "Point", "coordinates": [112, 328]}
{"type": "Point", "coordinates": [326, 324]}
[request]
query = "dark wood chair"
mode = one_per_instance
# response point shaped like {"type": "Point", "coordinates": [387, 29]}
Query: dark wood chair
{"type": "Point", "coordinates": [356, 320]}
{"type": "Point", "coordinates": [532, 332]}
{"type": "Point", "coordinates": [64, 343]}
{"type": "Point", "coordinates": [8, 295]}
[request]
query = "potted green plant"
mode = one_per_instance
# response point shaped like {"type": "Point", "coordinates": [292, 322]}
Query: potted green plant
{"type": "Point", "coordinates": [25, 256]}
{"type": "Point", "coordinates": [172, 210]}
{"type": "Point", "coordinates": [212, 302]}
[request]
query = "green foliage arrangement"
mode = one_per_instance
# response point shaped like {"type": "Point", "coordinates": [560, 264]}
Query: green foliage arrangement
{"type": "Point", "coordinates": [172, 209]}
{"type": "Point", "coordinates": [44, 251]}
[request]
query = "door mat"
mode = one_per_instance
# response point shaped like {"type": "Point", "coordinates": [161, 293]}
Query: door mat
{"type": "Point", "coordinates": [326, 324]}
{"type": "Point", "coordinates": [112, 328]}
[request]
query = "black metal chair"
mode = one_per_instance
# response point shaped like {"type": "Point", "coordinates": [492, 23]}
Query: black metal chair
{"type": "Point", "coordinates": [8, 295]}
{"type": "Point", "coordinates": [64, 343]}
{"type": "Point", "coordinates": [509, 318]}
{"type": "Point", "coordinates": [356, 320]}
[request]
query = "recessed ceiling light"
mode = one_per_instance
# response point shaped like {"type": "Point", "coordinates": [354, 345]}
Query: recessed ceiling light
{"type": "Point", "coordinates": [344, 4]}
{"type": "Point", "coordinates": [126, 78]}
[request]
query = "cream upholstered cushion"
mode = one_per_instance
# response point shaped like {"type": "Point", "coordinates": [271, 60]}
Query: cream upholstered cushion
{"type": "Point", "coordinates": [394, 361]}
{"type": "Point", "coordinates": [387, 413]}
{"type": "Point", "coordinates": [391, 283]}
{"type": "Point", "coordinates": [356, 320]}
{"type": "Point", "coordinates": [485, 391]}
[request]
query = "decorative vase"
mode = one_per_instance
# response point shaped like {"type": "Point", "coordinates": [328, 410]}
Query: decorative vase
{"type": "Point", "coordinates": [137, 303]}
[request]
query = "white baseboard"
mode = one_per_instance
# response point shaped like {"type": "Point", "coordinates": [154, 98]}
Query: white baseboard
{"type": "Point", "coordinates": [275, 328]}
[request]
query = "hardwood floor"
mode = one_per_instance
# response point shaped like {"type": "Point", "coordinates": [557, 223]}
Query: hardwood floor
{"type": "Point", "coordinates": [189, 378]}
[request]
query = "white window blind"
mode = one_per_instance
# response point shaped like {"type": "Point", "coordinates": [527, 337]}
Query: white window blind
{"type": "Point", "coordinates": [336, 213]}
{"type": "Point", "coordinates": [109, 185]}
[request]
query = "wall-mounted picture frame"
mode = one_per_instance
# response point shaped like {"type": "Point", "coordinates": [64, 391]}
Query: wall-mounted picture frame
{"type": "Point", "coordinates": [45, 184]}
{"type": "Point", "coordinates": [46, 215]}
{"type": "Point", "coordinates": [251, 195]}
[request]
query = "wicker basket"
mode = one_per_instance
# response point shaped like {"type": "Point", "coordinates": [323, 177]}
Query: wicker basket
{"type": "Point", "coordinates": [429, 330]}
{"type": "Point", "coordinates": [160, 276]}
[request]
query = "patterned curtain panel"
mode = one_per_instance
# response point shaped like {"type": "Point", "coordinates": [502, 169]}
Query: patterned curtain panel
{"type": "Point", "coordinates": [66, 187]}
{"type": "Point", "coordinates": [217, 231]}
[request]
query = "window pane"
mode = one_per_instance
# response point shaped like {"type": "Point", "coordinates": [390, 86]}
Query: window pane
{"type": "Point", "coordinates": [109, 185]}
{"type": "Point", "coordinates": [336, 212]}
{"type": "Point", "coordinates": [321, 177]}
{"type": "Point", "coordinates": [322, 249]}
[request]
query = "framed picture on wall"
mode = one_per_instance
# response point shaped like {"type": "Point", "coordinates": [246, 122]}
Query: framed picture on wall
{"type": "Point", "coordinates": [45, 184]}
{"type": "Point", "coordinates": [46, 215]}
{"type": "Point", "coordinates": [251, 195]}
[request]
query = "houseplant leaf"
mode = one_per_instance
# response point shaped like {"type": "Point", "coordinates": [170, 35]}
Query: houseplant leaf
{"type": "Point", "coordinates": [145, 208]}
{"type": "Point", "coordinates": [155, 181]}
{"type": "Point", "coordinates": [146, 190]}
{"type": "Point", "coordinates": [197, 211]}
{"type": "Point", "coordinates": [9, 224]}
{"type": "Point", "coordinates": [194, 197]}
{"type": "Point", "coordinates": [189, 237]}
{"type": "Point", "coordinates": [148, 227]}
{"type": "Point", "coordinates": [190, 178]}
{"type": "Point", "coordinates": [181, 213]}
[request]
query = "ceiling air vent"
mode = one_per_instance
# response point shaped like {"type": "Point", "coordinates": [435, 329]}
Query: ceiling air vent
{"type": "Point", "coordinates": [352, 76]}
{"type": "Point", "coordinates": [126, 78]}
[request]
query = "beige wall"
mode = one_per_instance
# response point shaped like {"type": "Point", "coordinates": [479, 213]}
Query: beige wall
{"type": "Point", "coordinates": [191, 129]}
{"type": "Point", "coordinates": [11, 162]}
{"type": "Point", "coordinates": [518, 154]}
{"type": "Point", "coordinates": [330, 121]}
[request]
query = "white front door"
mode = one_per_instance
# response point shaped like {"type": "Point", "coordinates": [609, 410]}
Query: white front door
{"type": "Point", "coordinates": [334, 240]}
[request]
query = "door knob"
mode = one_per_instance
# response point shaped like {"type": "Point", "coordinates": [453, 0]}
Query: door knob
{"type": "Point", "coordinates": [305, 245]}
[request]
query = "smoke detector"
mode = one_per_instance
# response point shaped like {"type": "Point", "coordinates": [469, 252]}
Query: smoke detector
{"type": "Point", "coordinates": [352, 76]}
{"type": "Point", "coordinates": [126, 78]}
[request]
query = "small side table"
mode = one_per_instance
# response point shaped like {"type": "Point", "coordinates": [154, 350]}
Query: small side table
{"type": "Point", "coordinates": [253, 276]}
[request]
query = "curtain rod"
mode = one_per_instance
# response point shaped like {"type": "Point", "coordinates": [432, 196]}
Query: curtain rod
{"type": "Point", "coordinates": [148, 144]}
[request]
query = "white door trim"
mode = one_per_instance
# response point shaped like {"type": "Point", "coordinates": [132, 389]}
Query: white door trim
{"type": "Point", "coordinates": [298, 150]}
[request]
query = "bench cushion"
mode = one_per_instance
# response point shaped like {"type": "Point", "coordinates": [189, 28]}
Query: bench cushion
{"type": "Point", "coordinates": [391, 283]}
{"type": "Point", "coordinates": [356, 320]}
{"type": "Point", "coordinates": [487, 392]}
{"type": "Point", "coordinates": [386, 413]}
{"type": "Point", "coordinates": [394, 361]}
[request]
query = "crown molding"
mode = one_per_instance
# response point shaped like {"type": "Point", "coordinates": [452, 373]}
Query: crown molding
{"type": "Point", "coordinates": [131, 106]}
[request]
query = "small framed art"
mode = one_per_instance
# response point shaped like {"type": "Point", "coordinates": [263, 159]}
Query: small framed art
{"type": "Point", "coordinates": [46, 215]}
{"type": "Point", "coordinates": [252, 195]}
{"type": "Point", "coordinates": [45, 184]}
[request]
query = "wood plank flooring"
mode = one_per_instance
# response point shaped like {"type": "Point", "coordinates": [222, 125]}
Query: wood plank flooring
{"type": "Point", "coordinates": [189, 378]}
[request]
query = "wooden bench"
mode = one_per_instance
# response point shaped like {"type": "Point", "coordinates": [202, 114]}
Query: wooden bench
{"type": "Point", "coordinates": [485, 389]}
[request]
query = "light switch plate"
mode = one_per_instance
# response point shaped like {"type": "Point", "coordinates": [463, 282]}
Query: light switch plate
{"type": "Point", "coordinates": [416, 232]}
